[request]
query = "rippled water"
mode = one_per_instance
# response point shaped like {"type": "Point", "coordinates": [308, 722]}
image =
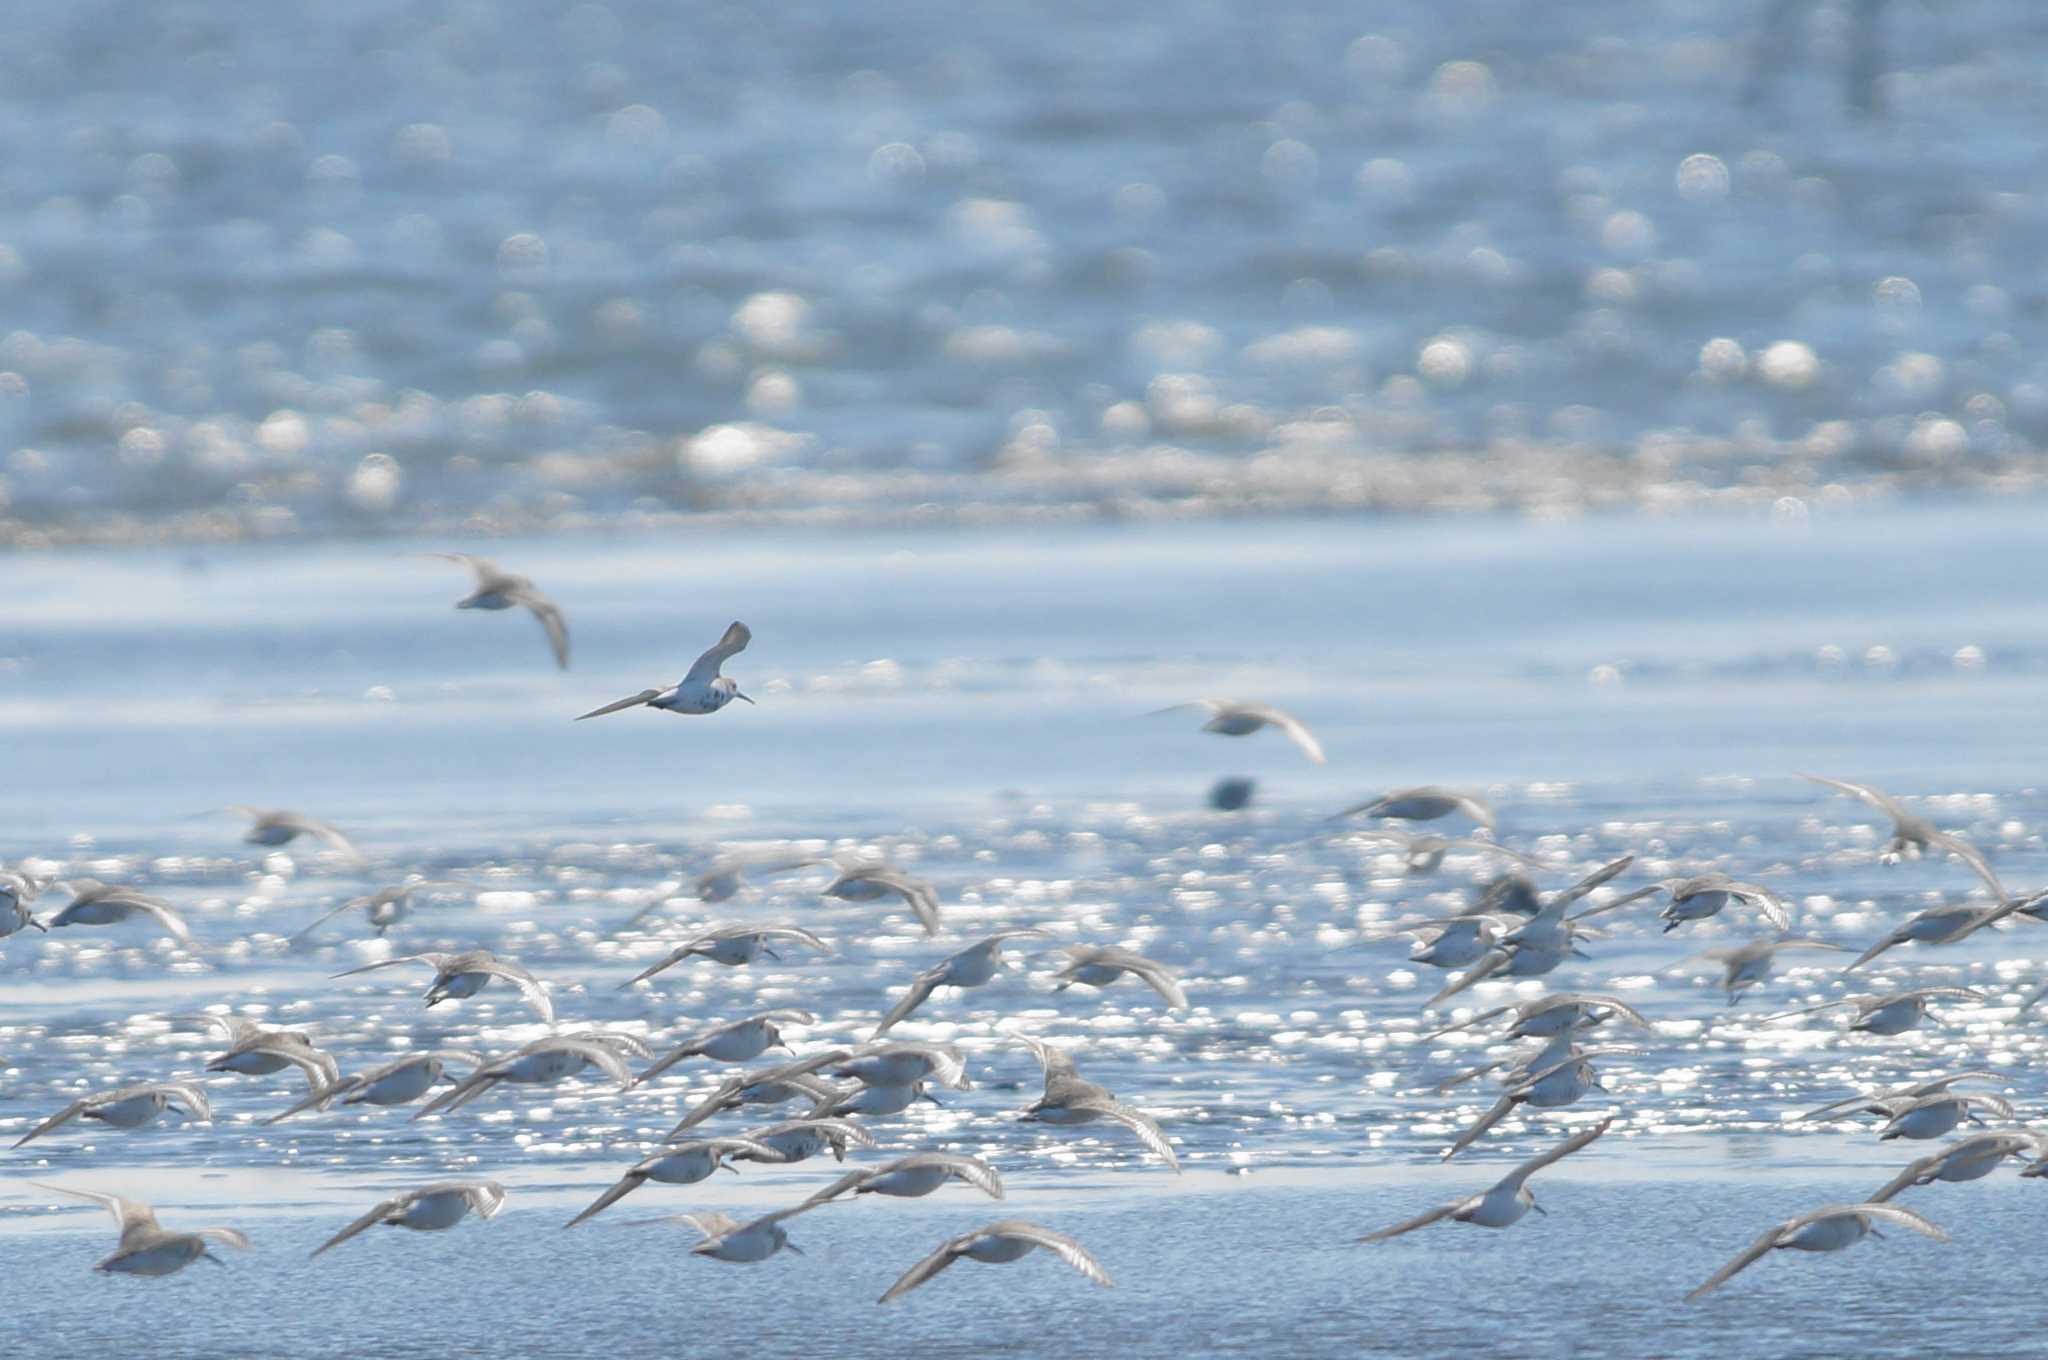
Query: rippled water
{"type": "Point", "coordinates": [398, 264]}
{"type": "Point", "coordinates": [970, 703]}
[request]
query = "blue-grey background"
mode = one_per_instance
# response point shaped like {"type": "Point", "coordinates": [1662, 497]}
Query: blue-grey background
{"type": "Point", "coordinates": [1530, 406]}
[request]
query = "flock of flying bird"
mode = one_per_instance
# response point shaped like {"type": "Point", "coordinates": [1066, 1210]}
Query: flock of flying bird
{"type": "Point", "coordinates": [1511, 932]}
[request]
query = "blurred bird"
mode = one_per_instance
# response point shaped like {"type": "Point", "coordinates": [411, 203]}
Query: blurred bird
{"type": "Point", "coordinates": [1236, 718]}
{"type": "Point", "coordinates": [500, 589]}
{"type": "Point", "coordinates": [146, 1248]}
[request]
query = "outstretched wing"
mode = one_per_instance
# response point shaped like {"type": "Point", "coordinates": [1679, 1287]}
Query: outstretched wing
{"type": "Point", "coordinates": [1556, 1154]}
{"type": "Point", "coordinates": [948, 1252]}
{"type": "Point", "coordinates": [1142, 1124]}
{"type": "Point", "coordinates": [925, 983]}
{"type": "Point", "coordinates": [320, 831]}
{"type": "Point", "coordinates": [1972, 856]}
{"type": "Point", "coordinates": [1494, 961]}
{"type": "Point", "coordinates": [1298, 733]}
{"type": "Point", "coordinates": [57, 1120]}
{"type": "Point", "coordinates": [1748, 1257]}
{"type": "Point", "coordinates": [1055, 1062]}
{"type": "Point", "coordinates": [1160, 979]}
{"type": "Point", "coordinates": [706, 667]}
{"type": "Point", "coordinates": [437, 962]}
{"type": "Point", "coordinates": [529, 986]}
{"type": "Point", "coordinates": [1877, 798]}
{"type": "Point", "coordinates": [1407, 1225]}
{"type": "Point", "coordinates": [550, 616]}
{"type": "Point", "coordinates": [377, 1215]}
{"type": "Point", "coordinates": [1058, 1243]}
{"type": "Point", "coordinates": [633, 702]}
{"type": "Point", "coordinates": [131, 1214]}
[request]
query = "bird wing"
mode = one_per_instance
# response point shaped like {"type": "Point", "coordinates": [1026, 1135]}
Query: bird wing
{"type": "Point", "coordinates": [1972, 856]}
{"type": "Point", "coordinates": [1486, 1121]}
{"type": "Point", "coordinates": [384, 1210]}
{"type": "Point", "coordinates": [920, 990]}
{"type": "Point", "coordinates": [1160, 979]}
{"type": "Point", "coordinates": [1142, 1124]}
{"type": "Point", "coordinates": [1058, 1243]}
{"type": "Point", "coordinates": [1889, 1213]}
{"type": "Point", "coordinates": [1814, 1010]}
{"type": "Point", "coordinates": [1748, 1257]}
{"type": "Point", "coordinates": [321, 1096]}
{"type": "Point", "coordinates": [798, 933]}
{"type": "Point", "coordinates": [437, 962]}
{"type": "Point", "coordinates": [633, 702]}
{"type": "Point", "coordinates": [668, 960]}
{"type": "Point", "coordinates": [1877, 798]}
{"type": "Point", "coordinates": [1423, 1220]}
{"type": "Point", "coordinates": [320, 831]}
{"type": "Point", "coordinates": [132, 1215]}
{"type": "Point", "coordinates": [486, 570]}
{"type": "Point", "coordinates": [1774, 907]}
{"type": "Point", "coordinates": [1478, 1019]}
{"type": "Point", "coordinates": [706, 667]}
{"type": "Point", "coordinates": [1056, 1063]}
{"type": "Point", "coordinates": [1915, 1169]}
{"type": "Point", "coordinates": [57, 1120]}
{"type": "Point", "coordinates": [550, 616]}
{"type": "Point", "coordinates": [1210, 706]}
{"type": "Point", "coordinates": [1494, 847]}
{"type": "Point", "coordinates": [848, 1182]}
{"type": "Point", "coordinates": [1495, 960]}
{"type": "Point", "coordinates": [1613, 1003]}
{"type": "Point", "coordinates": [1590, 882]}
{"type": "Point", "coordinates": [529, 986]}
{"type": "Point", "coordinates": [973, 1170]}
{"type": "Point", "coordinates": [227, 1237]}
{"type": "Point", "coordinates": [1867, 955]}
{"type": "Point", "coordinates": [1298, 733]}
{"type": "Point", "coordinates": [948, 1252]}
{"type": "Point", "coordinates": [711, 1223]}
{"type": "Point", "coordinates": [190, 1095]}
{"type": "Point", "coordinates": [160, 912]}
{"type": "Point", "coordinates": [1563, 1150]}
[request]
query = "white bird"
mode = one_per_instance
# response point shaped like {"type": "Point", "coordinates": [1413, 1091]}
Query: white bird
{"type": "Point", "coordinates": [1550, 1088]}
{"type": "Point", "coordinates": [274, 826]}
{"type": "Point", "coordinates": [385, 907]}
{"type": "Point", "coordinates": [915, 1176]}
{"type": "Point", "coordinates": [1425, 854]}
{"type": "Point", "coordinates": [398, 1082]}
{"type": "Point", "coordinates": [1748, 965]}
{"type": "Point", "coordinates": [1705, 895]}
{"type": "Point", "coordinates": [862, 881]}
{"type": "Point", "coordinates": [1100, 965]}
{"type": "Point", "coordinates": [998, 1244]}
{"type": "Point", "coordinates": [130, 1107]}
{"type": "Point", "coordinates": [497, 588]}
{"type": "Point", "coordinates": [431, 1208]}
{"type": "Point", "coordinates": [1889, 1014]}
{"type": "Point", "coordinates": [1913, 834]}
{"type": "Point", "coordinates": [1543, 942]}
{"type": "Point", "coordinates": [971, 967]}
{"type": "Point", "coordinates": [1424, 803]}
{"type": "Point", "coordinates": [254, 1051]}
{"type": "Point", "coordinates": [728, 1239]}
{"type": "Point", "coordinates": [1966, 1159]}
{"type": "Point", "coordinates": [1552, 1014]}
{"type": "Point", "coordinates": [681, 1164]}
{"type": "Point", "coordinates": [873, 1101]}
{"type": "Point", "coordinates": [1237, 718]}
{"type": "Point", "coordinates": [1944, 924]}
{"type": "Point", "coordinates": [17, 890]}
{"type": "Point", "coordinates": [1880, 1102]}
{"type": "Point", "coordinates": [460, 976]}
{"type": "Point", "coordinates": [1506, 1202]}
{"type": "Point", "coordinates": [1829, 1229]}
{"type": "Point", "coordinates": [731, 945]}
{"type": "Point", "coordinates": [94, 903]}
{"type": "Point", "coordinates": [736, 1041]}
{"type": "Point", "coordinates": [901, 1063]}
{"type": "Point", "coordinates": [799, 1140]}
{"type": "Point", "coordinates": [1931, 1116]}
{"type": "Point", "coordinates": [543, 1063]}
{"type": "Point", "coordinates": [1453, 941]}
{"type": "Point", "coordinates": [146, 1248]}
{"type": "Point", "coordinates": [766, 1086]}
{"type": "Point", "coordinates": [1070, 1099]}
{"type": "Point", "coordinates": [703, 690]}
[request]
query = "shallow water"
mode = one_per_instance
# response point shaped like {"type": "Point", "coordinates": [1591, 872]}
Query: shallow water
{"type": "Point", "coordinates": [971, 703]}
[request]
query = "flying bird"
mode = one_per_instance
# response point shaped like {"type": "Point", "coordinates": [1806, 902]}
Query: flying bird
{"type": "Point", "coordinates": [147, 1248]}
{"type": "Point", "coordinates": [497, 588]}
{"type": "Point", "coordinates": [1236, 718]}
{"type": "Point", "coordinates": [703, 690]}
{"type": "Point", "coordinates": [1506, 1202]}
{"type": "Point", "coordinates": [431, 1208]}
{"type": "Point", "coordinates": [460, 976]}
{"type": "Point", "coordinates": [997, 1244]}
{"type": "Point", "coordinates": [1829, 1229]}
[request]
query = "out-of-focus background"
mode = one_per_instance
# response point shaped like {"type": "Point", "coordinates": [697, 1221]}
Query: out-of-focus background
{"type": "Point", "coordinates": [1608, 408]}
{"type": "Point", "coordinates": [390, 265]}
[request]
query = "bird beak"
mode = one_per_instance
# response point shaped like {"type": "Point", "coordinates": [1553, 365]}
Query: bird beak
{"type": "Point", "coordinates": [1539, 1208]}
{"type": "Point", "coordinates": [927, 1095]}
{"type": "Point", "coordinates": [209, 1256]}
{"type": "Point", "coordinates": [1872, 1230]}
{"type": "Point", "coordinates": [737, 695]}
{"type": "Point", "coordinates": [723, 1167]}
{"type": "Point", "coordinates": [788, 1245]}
{"type": "Point", "coordinates": [771, 953]}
